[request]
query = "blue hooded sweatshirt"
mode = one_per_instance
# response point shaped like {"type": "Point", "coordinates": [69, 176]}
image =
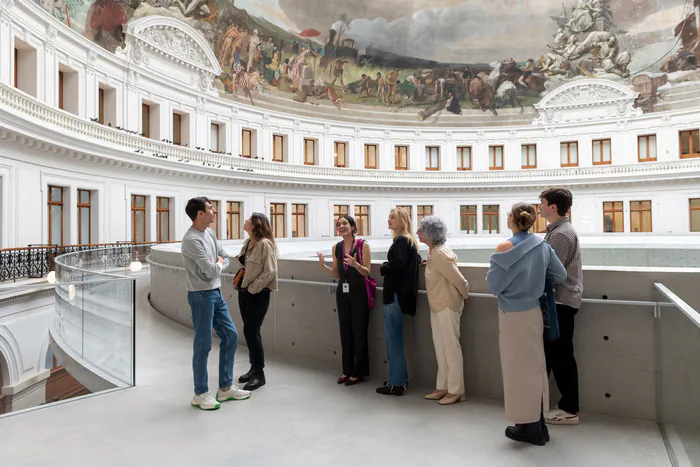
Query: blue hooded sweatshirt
{"type": "Point", "coordinates": [517, 276]}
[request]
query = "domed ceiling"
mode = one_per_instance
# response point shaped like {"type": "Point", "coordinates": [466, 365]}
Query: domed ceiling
{"type": "Point", "coordinates": [422, 56]}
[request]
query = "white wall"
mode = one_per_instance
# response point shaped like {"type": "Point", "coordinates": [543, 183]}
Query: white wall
{"type": "Point", "coordinates": [26, 170]}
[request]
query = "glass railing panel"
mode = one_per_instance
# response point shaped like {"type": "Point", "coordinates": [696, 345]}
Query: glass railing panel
{"type": "Point", "coordinates": [678, 346]}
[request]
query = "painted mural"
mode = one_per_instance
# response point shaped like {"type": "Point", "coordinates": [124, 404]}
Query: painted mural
{"type": "Point", "coordinates": [421, 56]}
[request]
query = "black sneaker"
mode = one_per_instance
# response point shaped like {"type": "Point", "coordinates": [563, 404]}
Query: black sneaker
{"type": "Point", "coordinates": [246, 377]}
{"type": "Point", "coordinates": [387, 390]}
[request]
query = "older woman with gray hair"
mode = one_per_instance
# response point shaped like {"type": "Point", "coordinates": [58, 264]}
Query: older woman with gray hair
{"type": "Point", "coordinates": [447, 291]}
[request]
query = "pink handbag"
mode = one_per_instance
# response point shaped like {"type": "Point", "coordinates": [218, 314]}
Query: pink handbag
{"type": "Point", "coordinates": [370, 283]}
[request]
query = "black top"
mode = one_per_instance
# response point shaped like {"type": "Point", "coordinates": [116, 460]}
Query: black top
{"type": "Point", "coordinates": [352, 276]}
{"type": "Point", "coordinates": [400, 273]}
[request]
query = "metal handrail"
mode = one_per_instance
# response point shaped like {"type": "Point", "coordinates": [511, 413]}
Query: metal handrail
{"type": "Point", "coordinates": [421, 291]}
{"type": "Point", "coordinates": [679, 303]}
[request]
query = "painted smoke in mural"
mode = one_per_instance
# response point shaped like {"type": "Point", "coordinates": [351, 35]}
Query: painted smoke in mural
{"type": "Point", "coordinates": [431, 56]}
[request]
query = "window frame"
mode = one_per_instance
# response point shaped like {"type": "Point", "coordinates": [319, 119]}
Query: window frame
{"type": "Point", "coordinates": [540, 225]}
{"type": "Point", "coordinates": [312, 160]}
{"type": "Point", "coordinates": [528, 155]}
{"type": "Point", "coordinates": [432, 154]}
{"type": "Point", "coordinates": [160, 212]}
{"type": "Point", "coordinates": [368, 155]}
{"type": "Point", "coordinates": [569, 145]}
{"type": "Point", "coordinates": [51, 204]}
{"type": "Point", "coordinates": [61, 90]}
{"type": "Point", "coordinates": [691, 154]}
{"type": "Point", "coordinates": [246, 139]}
{"type": "Point", "coordinates": [491, 215]}
{"type": "Point", "coordinates": [134, 210]}
{"type": "Point", "coordinates": [461, 157]}
{"type": "Point", "coordinates": [146, 126]}
{"type": "Point", "coordinates": [299, 215]}
{"type": "Point", "coordinates": [614, 211]}
{"type": "Point", "coordinates": [600, 143]}
{"type": "Point", "coordinates": [81, 206]}
{"type": "Point", "coordinates": [422, 211]}
{"type": "Point", "coordinates": [336, 154]}
{"type": "Point", "coordinates": [468, 215]}
{"type": "Point", "coordinates": [492, 157]}
{"type": "Point", "coordinates": [639, 148]}
{"type": "Point", "coordinates": [690, 211]}
{"type": "Point", "coordinates": [640, 212]}
{"type": "Point", "coordinates": [232, 226]}
{"type": "Point", "coordinates": [363, 220]}
{"type": "Point", "coordinates": [274, 215]}
{"type": "Point", "coordinates": [215, 204]}
{"type": "Point", "coordinates": [397, 157]}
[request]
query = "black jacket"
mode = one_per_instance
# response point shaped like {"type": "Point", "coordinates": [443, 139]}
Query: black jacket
{"type": "Point", "coordinates": [400, 273]}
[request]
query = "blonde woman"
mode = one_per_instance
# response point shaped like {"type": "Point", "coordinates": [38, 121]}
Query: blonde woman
{"type": "Point", "coordinates": [400, 272]}
{"type": "Point", "coordinates": [448, 290]}
{"type": "Point", "coordinates": [519, 269]}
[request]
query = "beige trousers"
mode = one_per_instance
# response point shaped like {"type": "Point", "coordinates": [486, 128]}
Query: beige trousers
{"type": "Point", "coordinates": [448, 351]}
{"type": "Point", "coordinates": [525, 382]}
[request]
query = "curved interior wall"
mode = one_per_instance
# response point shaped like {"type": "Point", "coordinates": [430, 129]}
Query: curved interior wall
{"type": "Point", "coordinates": [615, 344]}
{"type": "Point", "coordinates": [44, 146]}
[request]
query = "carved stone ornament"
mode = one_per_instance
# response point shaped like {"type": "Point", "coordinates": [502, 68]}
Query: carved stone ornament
{"type": "Point", "coordinates": [174, 39]}
{"type": "Point", "coordinates": [50, 37]}
{"type": "Point", "coordinates": [587, 99]}
{"type": "Point", "coordinates": [175, 42]}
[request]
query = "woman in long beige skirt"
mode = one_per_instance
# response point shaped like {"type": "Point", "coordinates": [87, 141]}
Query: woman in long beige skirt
{"type": "Point", "coordinates": [517, 275]}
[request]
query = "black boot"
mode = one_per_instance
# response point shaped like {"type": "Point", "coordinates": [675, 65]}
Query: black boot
{"type": "Point", "coordinates": [256, 380]}
{"type": "Point", "coordinates": [387, 390]}
{"type": "Point", "coordinates": [246, 377]}
{"type": "Point", "coordinates": [527, 433]}
{"type": "Point", "coordinates": [543, 424]}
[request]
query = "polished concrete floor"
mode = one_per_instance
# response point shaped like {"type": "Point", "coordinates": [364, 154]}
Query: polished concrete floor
{"type": "Point", "coordinates": [301, 418]}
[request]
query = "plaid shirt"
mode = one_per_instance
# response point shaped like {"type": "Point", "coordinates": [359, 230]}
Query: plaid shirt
{"type": "Point", "coordinates": [563, 239]}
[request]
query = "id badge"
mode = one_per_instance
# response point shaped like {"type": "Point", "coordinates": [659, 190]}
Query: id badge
{"type": "Point", "coordinates": [346, 288]}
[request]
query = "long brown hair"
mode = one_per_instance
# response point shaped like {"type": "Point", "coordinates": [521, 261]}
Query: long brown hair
{"type": "Point", "coordinates": [406, 225]}
{"type": "Point", "coordinates": [261, 227]}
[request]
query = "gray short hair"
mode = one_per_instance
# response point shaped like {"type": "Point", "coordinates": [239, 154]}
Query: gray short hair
{"type": "Point", "coordinates": [435, 229]}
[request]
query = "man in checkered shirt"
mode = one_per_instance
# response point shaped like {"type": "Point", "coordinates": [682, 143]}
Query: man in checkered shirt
{"type": "Point", "coordinates": [554, 207]}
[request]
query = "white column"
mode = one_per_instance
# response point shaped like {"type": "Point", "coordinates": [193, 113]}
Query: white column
{"type": "Point", "coordinates": [70, 209]}
{"type": "Point", "coordinates": [151, 231]}
{"type": "Point", "coordinates": [416, 156]}
{"type": "Point", "coordinates": [7, 61]}
{"type": "Point", "coordinates": [131, 116]}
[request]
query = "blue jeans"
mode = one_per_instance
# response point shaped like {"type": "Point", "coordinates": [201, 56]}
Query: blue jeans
{"type": "Point", "coordinates": [209, 310]}
{"type": "Point", "coordinates": [393, 329]}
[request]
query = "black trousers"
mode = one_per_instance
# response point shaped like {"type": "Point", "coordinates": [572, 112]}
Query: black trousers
{"type": "Point", "coordinates": [353, 317]}
{"type": "Point", "coordinates": [561, 361]}
{"type": "Point", "coordinates": [253, 310]}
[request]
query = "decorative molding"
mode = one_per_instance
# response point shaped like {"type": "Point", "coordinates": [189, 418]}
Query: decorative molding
{"type": "Point", "coordinates": [585, 100]}
{"type": "Point", "coordinates": [160, 36]}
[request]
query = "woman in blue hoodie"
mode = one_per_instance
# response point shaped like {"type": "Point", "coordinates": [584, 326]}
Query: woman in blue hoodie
{"type": "Point", "coordinates": [517, 274]}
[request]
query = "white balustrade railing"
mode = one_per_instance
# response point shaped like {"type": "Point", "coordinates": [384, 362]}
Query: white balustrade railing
{"type": "Point", "coordinates": [20, 103]}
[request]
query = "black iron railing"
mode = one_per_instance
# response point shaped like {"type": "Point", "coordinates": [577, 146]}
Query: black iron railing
{"type": "Point", "coordinates": [36, 261]}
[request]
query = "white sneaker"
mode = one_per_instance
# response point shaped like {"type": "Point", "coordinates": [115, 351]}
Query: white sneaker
{"type": "Point", "coordinates": [557, 416]}
{"type": "Point", "coordinates": [205, 402]}
{"type": "Point", "coordinates": [233, 394]}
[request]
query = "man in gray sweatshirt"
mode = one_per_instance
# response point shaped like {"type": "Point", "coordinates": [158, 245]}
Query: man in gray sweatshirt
{"type": "Point", "coordinates": [205, 260]}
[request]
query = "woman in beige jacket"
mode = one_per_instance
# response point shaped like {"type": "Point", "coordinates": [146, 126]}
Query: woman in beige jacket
{"type": "Point", "coordinates": [447, 291]}
{"type": "Point", "coordinates": [259, 258]}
